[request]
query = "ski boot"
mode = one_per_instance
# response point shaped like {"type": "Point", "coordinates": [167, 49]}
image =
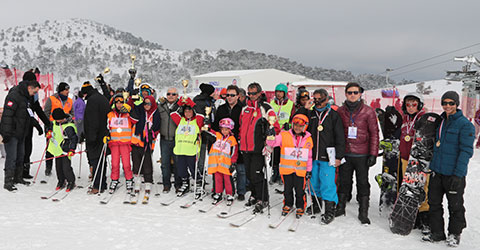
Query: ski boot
{"type": "Point", "coordinates": [286, 210]}
{"type": "Point", "coordinates": [166, 190]}
{"type": "Point", "coordinates": [184, 189]}
{"type": "Point", "coordinates": [8, 184]}
{"type": "Point", "coordinates": [340, 209]}
{"type": "Point", "coordinates": [432, 237]}
{"type": "Point", "coordinates": [453, 240]}
{"type": "Point", "coordinates": [48, 171]}
{"type": "Point", "coordinates": [260, 206]}
{"type": "Point", "coordinates": [129, 184]}
{"type": "Point", "coordinates": [70, 186]}
{"type": "Point", "coordinates": [113, 186]}
{"type": "Point", "coordinates": [230, 199]}
{"type": "Point", "coordinates": [363, 210]}
{"type": "Point", "coordinates": [300, 213]}
{"type": "Point", "coordinates": [216, 199]}
{"type": "Point", "coordinates": [241, 197]}
{"type": "Point", "coordinates": [329, 214]}
{"type": "Point", "coordinates": [251, 201]}
{"type": "Point", "coordinates": [60, 185]}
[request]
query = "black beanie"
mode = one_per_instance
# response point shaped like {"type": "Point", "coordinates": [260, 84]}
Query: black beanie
{"type": "Point", "coordinates": [62, 86]}
{"type": "Point", "coordinates": [207, 88]}
{"type": "Point", "coordinates": [58, 114]}
{"type": "Point", "coordinates": [451, 95]}
{"type": "Point", "coordinates": [86, 87]}
{"type": "Point", "coordinates": [29, 76]}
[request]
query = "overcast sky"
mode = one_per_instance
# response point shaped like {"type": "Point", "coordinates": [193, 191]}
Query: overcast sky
{"type": "Point", "coordinates": [360, 36]}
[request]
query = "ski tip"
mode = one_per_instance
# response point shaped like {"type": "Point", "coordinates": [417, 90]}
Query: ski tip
{"type": "Point", "coordinates": [43, 197]}
{"type": "Point", "coordinates": [43, 182]}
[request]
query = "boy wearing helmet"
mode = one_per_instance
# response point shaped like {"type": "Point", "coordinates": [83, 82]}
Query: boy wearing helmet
{"type": "Point", "coordinates": [295, 161]}
{"type": "Point", "coordinates": [284, 109]}
{"type": "Point", "coordinates": [222, 159]}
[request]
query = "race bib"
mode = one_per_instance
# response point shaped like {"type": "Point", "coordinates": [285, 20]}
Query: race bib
{"type": "Point", "coordinates": [282, 115]}
{"type": "Point", "coordinates": [186, 129]}
{"type": "Point", "coordinates": [119, 122]}
{"type": "Point", "coordinates": [30, 112]}
{"type": "Point", "coordinates": [352, 132]}
{"type": "Point", "coordinates": [294, 154]}
{"type": "Point", "coordinates": [222, 146]}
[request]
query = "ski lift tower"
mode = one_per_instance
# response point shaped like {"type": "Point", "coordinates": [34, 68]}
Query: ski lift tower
{"type": "Point", "coordinates": [471, 82]}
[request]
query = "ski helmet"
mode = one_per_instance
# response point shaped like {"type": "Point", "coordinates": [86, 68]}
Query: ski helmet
{"type": "Point", "coordinates": [415, 95]}
{"type": "Point", "coordinates": [301, 119]}
{"type": "Point", "coordinates": [282, 87]}
{"type": "Point", "coordinates": [226, 123]}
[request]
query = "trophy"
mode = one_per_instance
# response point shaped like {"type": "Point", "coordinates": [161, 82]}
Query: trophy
{"type": "Point", "coordinates": [208, 110]}
{"type": "Point", "coordinates": [185, 85]}
{"type": "Point", "coordinates": [137, 82]}
{"type": "Point", "coordinates": [271, 119]}
{"type": "Point", "coordinates": [105, 71]}
{"type": "Point", "coordinates": [133, 58]}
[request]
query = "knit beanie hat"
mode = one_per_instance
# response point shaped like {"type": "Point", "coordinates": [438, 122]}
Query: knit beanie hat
{"type": "Point", "coordinates": [62, 86]}
{"type": "Point", "coordinates": [451, 95]}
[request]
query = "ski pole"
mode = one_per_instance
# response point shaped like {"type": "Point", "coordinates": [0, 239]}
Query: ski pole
{"type": "Point", "coordinates": [80, 164]}
{"type": "Point", "coordinates": [51, 158]}
{"type": "Point", "coordinates": [310, 187]}
{"type": "Point", "coordinates": [96, 170]}
{"type": "Point", "coordinates": [103, 166]}
{"type": "Point", "coordinates": [40, 164]}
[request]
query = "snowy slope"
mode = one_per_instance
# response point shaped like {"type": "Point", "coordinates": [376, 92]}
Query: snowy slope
{"type": "Point", "coordinates": [80, 222]}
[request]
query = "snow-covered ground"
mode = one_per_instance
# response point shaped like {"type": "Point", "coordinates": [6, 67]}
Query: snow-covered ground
{"type": "Point", "coordinates": [81, 222]}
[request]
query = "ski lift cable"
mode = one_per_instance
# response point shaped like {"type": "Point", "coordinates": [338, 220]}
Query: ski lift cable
{"type": "Point", "coordinates": [428, 66]}
{"type": "Point", "coordinates": [430, 58]}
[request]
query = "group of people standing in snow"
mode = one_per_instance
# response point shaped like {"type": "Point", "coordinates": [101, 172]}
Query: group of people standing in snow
{"type": "Point", "coordinates": [315, 146]}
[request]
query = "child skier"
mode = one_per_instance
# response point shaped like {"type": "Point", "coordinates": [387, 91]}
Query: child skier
{"type": "Point", "coordinates": [295, 162]}
{"type": "Point", "coordinates": [63, 140]}
{"type": "Point", "coordinates": [186, 141]}
{"type": "Point", "coordinates": [119, 141]}
{"type": "Point", "coordinates": [222, 159]}
{"type": "Point", "coordinates": [145, 130]}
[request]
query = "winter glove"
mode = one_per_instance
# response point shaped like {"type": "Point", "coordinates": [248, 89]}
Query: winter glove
{"type": "Point", "coordinates": [286, 126]}
{"type": "Point", "coordinates": [454, 184]}
{"type": "Point", "coordinates": [100, 79]}
{"type": "Point", "coordinates": [49, 135]}
{"type": "Point", "coordinates": [233, 167]}
{"type": "Point", "coordinates": [132, 73]}
{"type": "Point", "coordinates": [70, 153]}
{"type": "Point", "coordinates": [308, 176]}
{"type": "Point", "coordinates": [371, 160]}
{"type": "Point", "coordinates": [106, 139]}
{"type": "Point", "coordinates": [271, 132]}
{"type": "Point", "coordinates": [125, 108]}
{"type": "Point", "coordinates": [162, 100]}
{"type": "Point", "coordinates": [39, 128]}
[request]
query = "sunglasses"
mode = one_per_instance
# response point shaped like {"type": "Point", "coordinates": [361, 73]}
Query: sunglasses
{"type": "Point", "coordinates": [252, 93]}
{"type": "Point", "coordinates": [147, 104]}
{"type": "Point", "coordinates": [319, 100]}
{"type": "Point", "coordinates": [353, 92]}
{"type": "Point", "coordinates": [230, 95]}
{"type": "Point", "coordinates": [411, 105]}
{"type": "Point", "coordinates": [174, 94]}
{"type": "Point", "coordinates": [448, 103]}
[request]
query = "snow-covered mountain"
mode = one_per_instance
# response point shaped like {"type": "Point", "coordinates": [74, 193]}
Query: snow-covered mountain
{"type": "Point", "coordinates": [76, 50]}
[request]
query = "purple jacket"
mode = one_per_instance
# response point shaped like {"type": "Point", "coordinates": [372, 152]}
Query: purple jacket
{"type": "Point", "coordinates": [79, 108]}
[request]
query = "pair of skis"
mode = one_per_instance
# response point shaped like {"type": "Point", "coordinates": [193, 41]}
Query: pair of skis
{"type": "Point", "coordinates": [248, 217]}
{"type": "Point", "coordinates": [57, 195]}
{"type": "Point", "coordinates": [293, 226]}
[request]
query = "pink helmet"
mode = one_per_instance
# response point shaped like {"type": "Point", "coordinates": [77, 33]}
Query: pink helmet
{"type": "Point", "coordinates": [227, 123]}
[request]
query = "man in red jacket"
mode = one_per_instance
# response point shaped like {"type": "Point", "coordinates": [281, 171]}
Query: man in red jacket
{"type": "Point", "coordinates": [253, 131]}
{"type": "Point", "coordinates": [361, 150]}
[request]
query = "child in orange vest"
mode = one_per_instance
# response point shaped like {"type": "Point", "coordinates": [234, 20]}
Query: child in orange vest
{"type": "Point", "coordinates": [222, 159]}
{"type": "Point", "coordinates": [119, 141]}
{"type": "Point", "coordinates": [295, 162]}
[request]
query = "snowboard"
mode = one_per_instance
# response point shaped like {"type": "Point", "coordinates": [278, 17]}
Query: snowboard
{"type": "Point", "coordinates": [387, 180]}
{"type": "Point", "coordinates": [411, 193]}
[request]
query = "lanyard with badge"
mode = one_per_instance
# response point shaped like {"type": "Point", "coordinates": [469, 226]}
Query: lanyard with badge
{"type": "Point", "coordinates": [352, 130]}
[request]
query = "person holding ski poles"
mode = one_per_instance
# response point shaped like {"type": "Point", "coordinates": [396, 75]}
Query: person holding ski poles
{"type": "Point", "coordinates": [451, 154]}
{"type": "Point", "coordinates": [119, 141]}
{"type": "Point", "coordinates": [145, 131]}
{"type": "Point", "coordinates": [326, 128]}
{"type": "Point", "coordinates": [64, 141]}
{"type": "Point", "coordinates": [222, 159]}
{"type": "Point", "coordinates": [187, 136]}
{"type": "Point", "coordinates": [295, 162]}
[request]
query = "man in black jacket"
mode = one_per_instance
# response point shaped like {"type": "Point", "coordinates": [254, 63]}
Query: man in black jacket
{"type": "Point", "coordinates": [37, 109]}
{"type": "Point", "coordinates": [204, 99]}
{"type": "Point", "coordinates": [15, 121]}
{"type": "Point", "coordinates": [327, 132]}
{"type": "Point", "coordinates": [95, 128]}
{"type": "Point", "coordinates": [232, 109]}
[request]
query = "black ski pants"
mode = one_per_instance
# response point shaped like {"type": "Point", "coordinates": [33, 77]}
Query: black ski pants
{"type": "Point", "coordinates": [28, 150]}
{"type": "Point", "coordinates": [438, 187]}
{"type": "Point", "coordinates": [359, 165]}
{"type": "Point", "coordinates": [147, 170]}
{"type": "Point", "coordinates": [64, 169]}
{"type": "Point", "coordinates": [297, 183]}
{"type": "Point", "coordinates": [254, 167]}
